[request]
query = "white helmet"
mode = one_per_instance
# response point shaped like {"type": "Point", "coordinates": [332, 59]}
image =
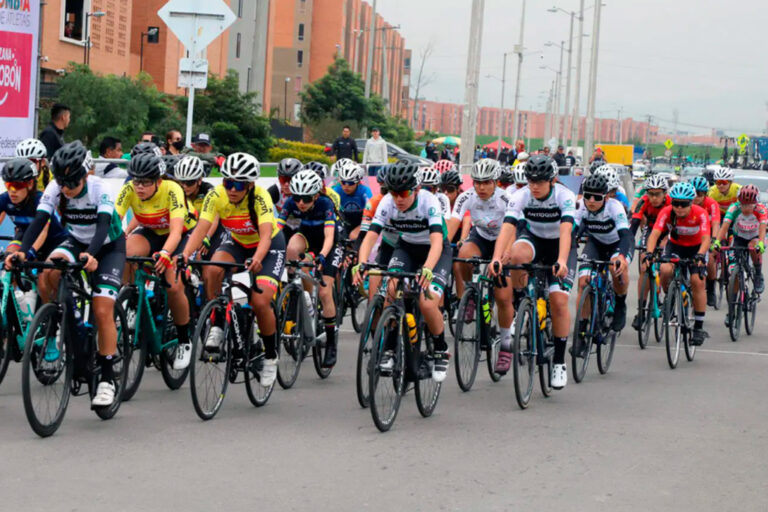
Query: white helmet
{"type": "Point", "coordinates": [31, 148]}
{"type": "Point", "coordinates": [429, 176]}
{"type": "Point", "coordinates": [723, 173]}
{"type": "Point", "coordinates": [610, 175]}
{"type": "Point", "coordinates": [306, 183]}
{"type": "Point", "coordinates": [656, 182]}
{"type": "Point", "coordinates": [340, 165]}
{"type": "Point", "coordinates": [485, 169]}
{"type": "Point", "coordinates": [523, 156]}
{"type": "Point", "coordinates": [240, 167]}
{"type": "Point", "coordinates": [189, 168]}
{"type": "Point", "coordinates": [520, 178]}
{"type": "Point", "coordinates": [350, 171]}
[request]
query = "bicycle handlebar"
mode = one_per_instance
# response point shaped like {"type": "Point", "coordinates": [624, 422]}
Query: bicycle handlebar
{"type": "Point", "coordinates": [225, 264]}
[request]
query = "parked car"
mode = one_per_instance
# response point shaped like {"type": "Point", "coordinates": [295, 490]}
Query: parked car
{"type": "Point", "coordinates": [393, 151]}
{"type": "Point", "coordinates": [756, 178]}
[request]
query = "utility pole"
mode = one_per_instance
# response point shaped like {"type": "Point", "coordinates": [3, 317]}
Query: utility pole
{"type": "Point", "coordinates": [675, 115]}
{"type": "Point", "coordinates": [619, 134]}
{"type": "Point", "coordinates": [371, 44]}
{"type": "Point", "coordinates": [575, 121]}
{"type": "Point", "coordinates": [558, 129]}
{"type": "Point", "coordinates": [567, 127]}
{"type": "Point", "coordinates": [384, 77]}
{"type": "Point", "coordinates": [519, 52]}
{"type": "Point", "coordinates": [501, 107]}
{"type": "Point", "coordinates": [548, 116]}
{"type": "Point", "coordinates": [589, 136]}
{"type": "Point", "coordinates": [469, 125]}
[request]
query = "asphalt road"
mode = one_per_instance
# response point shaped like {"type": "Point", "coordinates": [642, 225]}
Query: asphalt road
{"type": "Point", "coordinates": [643, 437]}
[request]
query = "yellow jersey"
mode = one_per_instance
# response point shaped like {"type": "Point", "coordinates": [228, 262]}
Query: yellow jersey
{"type": "Point", "coordinates": [44, 177]}
{"type": "Point", "coordinates": [235, 217]}
{"type": "Point", "coordinates": [156, 212]}
{"type": "Point", "coordinates": [334, 197]}
{"type": "Point", "coordinates": [725, 200]}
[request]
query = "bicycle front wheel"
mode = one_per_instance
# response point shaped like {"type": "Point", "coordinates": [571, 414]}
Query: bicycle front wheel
{"type": "Point", "coordinates": [467, 339]}
{"type": "Point", "coordinates": [524, 353]}
{"type": "Point", "coordinates": [290, 340]}
{"type": "Point", "coordinates": [46, 372]}
{"type": "Point", "coordinates": [364, 350]}
{"type": "Point", "coordinates": [657, 312]}
{"type": "Point", "coordinates": [721, 283]}
{"type": "Point", "coordinates": [5, 351]}
{"type": "Point", "coordinates": [119, 365]}
{"type": "Point", "coordinates": [735, 293]}
{"type": "Point", "coordinates": [427, 390]}
{"type": "Point", "coordinates": [605, 353]}
{"type": "Point", "coordinates": [644, 312]}
{"type": "Point", "coordinates": [582, 337]}
{"type": "Point", "coordinates": [174, 379]}
{"type": "Point", "coordinates": [136, 360]}
{"type": "Point", "coordinates": [673, 329]}
{"type": "Point", "coordinates": [750, 308]}
{"type": "Point", "coordinates": [386, 380]}
{"type": "Point", "coordinates": [209, 369]}
{"type": "Point", "coordinates": [254, 363]}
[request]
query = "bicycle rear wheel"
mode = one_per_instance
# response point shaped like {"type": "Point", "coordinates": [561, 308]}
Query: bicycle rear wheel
{"type": "Point", "coordinates": [5, 351]}
{"type": "Point", "coordinates": [254, 363]}
{"type": "Point", "coordinates": [645, 313]}
{"type": "Point", "coordinates": [605, 353]}
{"type": "Point", "coordinates": [46, 372]}
{"type": "Point", "coordinates": [364, 350]}
{"type": "Point", "coordinates": [658, 314]}
{"type": "Point", "coordinates": [119, 365]}
{"type": "Point", "coordinates": [685, 315]}
{"type": "Point", "coordinates": [721, 283]}
{"type": "Point", "coordinates": [359, 310]}
{"type": "Point", "coordinates": [290, 341]}
{"type": "Point", "coordinates": [209, 370]}
{"type": "Point", "coordinates": [386, 385]}
{"type": "Point", "coordinates": [673, 331]}
{"type": "Point", "coordinates": [750, 308]}
{"type": "Point", "coordinates": [583, 340]}
{"type": "Point", "coordinates": [321, 346]}
{"type": "Point", "coordinates": [467, 339]}
{"type": "Point", "coordinates": [137, 358]}
{"type": "Point", "coordinates": [734, 306]}
{"type": "Point", "coordinates": [427, 390]}
{"type": "Point", "coordinates": [174, 379]}
{"type": "Point", "coordinates": [524, 353]}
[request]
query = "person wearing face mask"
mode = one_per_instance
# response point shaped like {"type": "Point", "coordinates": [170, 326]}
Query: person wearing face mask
{"type": "Point", "coordinates": [174, 142]}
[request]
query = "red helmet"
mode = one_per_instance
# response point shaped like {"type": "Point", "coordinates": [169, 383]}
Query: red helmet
{"type": "Point", "coordinates": [748, 194]}
{"type": "Point", "coordinates": [444, 165]}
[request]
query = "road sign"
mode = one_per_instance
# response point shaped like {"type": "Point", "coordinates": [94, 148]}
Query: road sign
{"type": "Point", "coordinates": [668, 153]}
{"type": "Point", "coordinates": [193, 73]}
{"type": "Point", "coordinates": [196, 22]}
{"type": "Point", "coordinates": [668, 144]}
{"type": "Point", "coordinates": [743, 140]}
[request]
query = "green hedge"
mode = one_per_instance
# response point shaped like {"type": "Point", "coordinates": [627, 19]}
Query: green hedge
{"type": "Point", "coordinates": [300, 146]}
{"type": "Point", "coordinates": [278, 153]}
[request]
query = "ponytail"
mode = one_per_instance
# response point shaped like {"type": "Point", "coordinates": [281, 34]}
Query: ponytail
{"type": "Point", "coordinates": [252, 210]}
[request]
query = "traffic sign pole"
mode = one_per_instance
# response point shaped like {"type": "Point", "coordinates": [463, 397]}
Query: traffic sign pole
{"type": "Point", "coordinates": [190, 115]}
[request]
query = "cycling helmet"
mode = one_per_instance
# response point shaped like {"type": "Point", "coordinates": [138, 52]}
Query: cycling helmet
{"type": "Point", "coordinates": [430, 177]}
{"type": "Point", "coordinates": [523, 156]}
{"type": "Point", "coordinates": [31, 148]}
{"type": "Point", "coordinates": [306, 183]}
{"type": "Point", "coordinates": [748, 194]}
{"type": "Point", "coordinates": [241, 167]}
{"type": "Point", "coordinates": [656, 182]}
{"type": "Point", "coordinates": [340, 164]}
{"type": "Point", "coordinates": [684, 191]}
{"type": "Point", "coordinates": [444, 166]}
{"type": "Point", "coordinates": [723, 173]}
{"type": "Point", "coordinates": [381, 175]}
{"type": "Point", "coordinates": [402, 175]}
{"type": "Point", "coordinates": [507, 175]}
{"type": "Point", "coordinates": [289, 167]}
{"type": "Point", "coordinates": [146, 148]}
{"type": "Point", "coordinates": [350, 172]}
{"type": "Point", "coordinates": [610, 174]}
{"type": "Point", "coordinates": [594, 166]}
{"type": "Point", "coordinates": [69, 160]}
{"type": "Point", "coordinates": [596, 183]}
{"type": "Point", "coordinates": [319, 167]}
{"type": "Point", "coordinates": [485, 169]}
{"type": "Point", "coordinates": [146, 166]}
{"type": "Point", "coordinates": [699, 183]}
{"type": "Point", "coordinates": [19, 169]}
{"type": "Point", "coordinates": [520, 178]}
{"type": "Point", "coordinates": [539, 168]}
{"type": "Point", "coordinates": [189, 168]}
{"type": "Point", "coordinates": [451, 177]}
{"type": "Point", "coordinates": [170, 164]}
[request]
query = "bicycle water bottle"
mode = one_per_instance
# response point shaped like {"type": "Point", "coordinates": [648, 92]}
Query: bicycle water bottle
{"type": "Point", "coordinates": [486, 310]}
{"type": "Point", "coordinates": [26, 308]}
{"type": "Point", "coordinates": [149, 288]}
{"type": "Point", "coordinates": [309, 316]}
{"type": "Point", "coordinates": [541, 307]}
{"type": "Point", "coordinates": [413, 335]}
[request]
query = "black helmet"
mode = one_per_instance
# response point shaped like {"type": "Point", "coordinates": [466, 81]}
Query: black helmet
{"type": "Point", "coordinates": [146, 148]}
{"type": "Point", "coordinates": [451, 177]}
{"type": "Point", "coordinates": [19, 169]}
{"type": "Point", "coordinates": [289, 167]}
{"type": "Point", "coordinates": [539, 168]}
{"type": "Point", "coordinates": [507, 175]}
{"type": "Point", "coordinates": [170, 162]}
{"type": "Point", "coordinates": [320, 168]}
{"type": "Point", "coordinates": [381, 174]}
{"type": "Point", "coordinates": [597, 183]}
{"type": "Point", "coordinates": [68, 162]}
{"type": "Point", "coordinates": [594, 166]}
{"type": "Point", "coordinates": [146, 166]}
{"type": "Point", "coordinates": [402, 175]}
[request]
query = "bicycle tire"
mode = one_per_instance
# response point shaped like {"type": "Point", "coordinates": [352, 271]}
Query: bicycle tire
{"type": "Point", "coordinates": [359, 305]}
{"type": "Point", "coordinates": [467, 341]}
{"type": "Point", "coordinates": [385, 408]}
{"type": "Point", "coordinates": [319, 347]}
{"type": "Point", "coordinates": [579, 364]}
{"type": "Point", "coordinates": [605, 352]}
{"type": "Point", "coordinates": [427, 390]}
{"type": "Point", "coordinates": [721, 282]}
{"type": "Point", "coordinates": [290, 340]}
{"type": "Point", "coordinates": [685, 314]}
{"type": "Point", "coordinates": [645, 313]}
{"type": "Point", "coordinates": [492, 355]}
{"type": "Point", "coordinates": [523, 352]}
{"type": "Point", "coordinates": [5, 351]}
{"type": "Point", "coordinates": [209, 399]}
{"type": "Point", "coordinates": [174, 379]}
{"type": "Point", "coordinates": [119, 365]}
{"type": "Point", "coordinates": [545, 378]}
{"type": "Point", "coordinates": [48, 320]}
{"type": "Point", "coordinates": [750, 309]}
{"type": "Point", "coordinates": [734, 307]}
{"type": "Point", "coordinates": [364, 351]}
{"type": "Point", "coordinates": [254, 360]}
{"type": "Point", "coordinates": [671, 320]}
{"type": "Point", "coordinates": [127, 298]}
{"type": "Point", "coordinates": [450, 304]}
{"type": "Point", "coordinates": [658, 323]}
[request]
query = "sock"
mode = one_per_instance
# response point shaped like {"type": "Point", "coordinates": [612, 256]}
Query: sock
{"type": "Point", "coordinates": [517, 296]}
{"type": "Point", "coordinates": [506, 339]}
{"type": "Point", "coordinates": [330, 329]}
{"type": "Point", "coordinates": [710, 286]}
{"type": "Point", "coordinates": [621, 299]}
{"type": "Point", "coordinates": [560, 344]}
{"type": "Point", "coordinates": [218, 320]}
{"type": "Point", "coordinates": [107, 375]}
{"type": "Point", "coordinates": [758, 269]}
{"type": "Point", "coordinates": [698, 319]}
{"type": "Point", "coordinates": [270, 349]}
{"type": "Point", "coordinates": [439, 341]}
{"type": "Point", "coordinates": [183, 333]}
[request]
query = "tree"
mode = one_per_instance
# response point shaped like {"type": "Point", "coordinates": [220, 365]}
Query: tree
{"type": "Point", "coordinates": [421, 80]}
{"type": "Point", "coordinates": [339, 95]}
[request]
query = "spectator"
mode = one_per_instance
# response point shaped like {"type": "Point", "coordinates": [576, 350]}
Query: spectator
{"type": "Point", "coordinates": [484, 153]}
{"type": "Point", "coordinates": [431, 151]}
{"type": "Point", "coordinates": [491, 153]}
{"type": "Point", "coordinates": [174, 142]}
{"type": "Point", "coordinates": [52, 135]}
{"type": "Point", "coordinates": [375, 154]}
{"type": "Point", "coordinates": [519, 147]}
{"type": "Point", "coordinates": [570, 160]}
{"type": "Point", "coordinates": [147, 137]}
{"type": "Point", "coordinates": [478, 153]}
{"type": "Point", "coordinates": [345, 146]}
{"type": "Point", "coordinates": [597, 155]}
{"type": "Point", "coordinates": [112, 148]}
{"type": "Point", "coordinates": [559, 156]}
{"type": "Point", "coordinates": [446, 154]}
{"type": "Point", "coordinates": [504, 156]}
{"type": "Point", "coordinates": [201, 143]}
{"type": "Point", "coordinates": [546, 150]}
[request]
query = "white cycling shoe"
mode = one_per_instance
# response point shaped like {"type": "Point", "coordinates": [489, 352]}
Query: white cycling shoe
{"type": "Point", "coordinates": [268, 373]}
{"type": "Point", "coordinates": [559, 376]}
{"type": "Point", "coordinates": [183, 356]}
{"type": "Point", "coordinates": [105, 395]}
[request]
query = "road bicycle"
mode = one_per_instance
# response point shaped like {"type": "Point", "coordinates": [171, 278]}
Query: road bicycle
{"type": "Point", "coordinates": [742, 297]}
{"type": "Point", "coordinates": [14, 323]}
{"type": "Point", "coordinates": [678, 309]}
{"type": "Point", "coordinates": [372, 315]}
{"type": "Point", "coordinates": [348, 296]}
{"type": "Point", "coordinates": [649, 310]}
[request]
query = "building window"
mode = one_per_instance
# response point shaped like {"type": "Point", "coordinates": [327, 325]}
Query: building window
{"type": "Point", "coordinates": [301, 31]}
{"type": "Point", "coordinates": [248, 80]}
{"type": "Point", "coordinates": [407, 63]}
{"type": "Point", "coordinates": [300, 58]}
{"type": "Point", "coordinates": [239, 8]}
{"type": "Point", "coordinates": [237, 46]}
{"type": "Point", "coordinates": [73, 19]}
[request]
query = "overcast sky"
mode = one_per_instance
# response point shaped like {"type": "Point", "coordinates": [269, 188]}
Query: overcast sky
{"type": "Point", "coordinates": [705, 58]}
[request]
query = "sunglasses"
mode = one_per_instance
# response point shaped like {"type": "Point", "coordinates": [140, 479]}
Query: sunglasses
{"type": "Point", "coordinates": [304, 199]}
{"type": "Point", "coordinates": [450, 189]}
{"type": "Point", "coordinates": [143, 182]}
{"type": "Point", "coordinates": [68, 182]}
{"type": "Point", "coordinates": [188, 183]}
{"type": "Point", "coordinates": [13, 186]}
{"type": "Point", "coordinates": [593, 197]}
{"type": "Point", "coordinates": [284, 179]}
{"type": "Point", "coordinates": [348, 183]}
{"type": "Point", "coordinates": [723, 182]}
{"type": "Point", "coordinates": [401, 194]}
{"type": "Point", "coordinates": [655, 193]}
{"type": "Point", "coordinates": [237, 185]}
{"type": "Point", "coordinates": [681, 204]}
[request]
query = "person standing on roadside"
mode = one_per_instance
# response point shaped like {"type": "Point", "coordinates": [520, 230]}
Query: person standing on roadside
{"type": "Point", "coordinates": [570, 160]}
{"type": "Point", "coordinates": [174, 142]}
{"type": "Point", "coordinates": [504, 156]}
{"type": "Point", "coordinates": [559, 157]}
{"type": "Point", "coordinates": [52, 135]}
{"type": "Point", "coordinates": [112, 148]}
{"type": "Point", "coordinates": [345, 146]}
{"type": "Point", "coordinates": [375, 154]}
{"type": "Point", "coordinates": [431, 151]}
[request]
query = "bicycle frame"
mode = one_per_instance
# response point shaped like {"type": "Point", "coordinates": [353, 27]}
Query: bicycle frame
{"type": "Point", "coordinates": [12, 316]}
{"type": "Point", "coordinates": [144, 317]}
{"type": "Point", "coordinates": [534, 290]}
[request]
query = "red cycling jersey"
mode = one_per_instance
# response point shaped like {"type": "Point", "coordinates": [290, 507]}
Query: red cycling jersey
{"type": "Point", "coordinates": [687, 231]}
{"type": "Point", "coordinates": [712, 208]}
{"type": "Point", "coordinates": [644, 209]}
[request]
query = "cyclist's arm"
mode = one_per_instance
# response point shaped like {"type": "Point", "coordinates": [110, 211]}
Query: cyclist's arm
{"type": "Point", "coordinates": [435, 250]}
{"type": "Point", "coordinates": [132, 225]}
{"type": "Point", "coordinates": [197, 236]}
{"type": "Point", "coordinates": [2, 217]}
{"type": "Point", "coordinates": [634, 225]}
{"type": "Point", "coordinates": [761, 232]}
{"type": "Point", "coordinates": [265, 241]}
{"type": "Point", "coordinates": [41, 239]}
{"type": "Point", "coordinates": [466, 226]}
{"type": "Point", "coordinates": [506, 236]}
{"type": "Point", "coordinates": [174, 235]}
{"type": "Point", "coordinates": [329, 231]}
{"type": "Point", "coordinates": [214, 227]}
{"type": "Point", "coordinates": [453, 225]}
{"type": "Point", "coordinates": [367, 246]}
{"type": "Point", "coordinates": [626, 243]}
{"type": "Point", "coordinates": [705, 240]}
{"type": "Point", "coordinates": [103, 221]}
{"type": "Point", "coordinates": [653, 239]}
{"type": "Point", "coordinates": [566, 230]}
{"type": "Point", "coordinates": [724, 229]}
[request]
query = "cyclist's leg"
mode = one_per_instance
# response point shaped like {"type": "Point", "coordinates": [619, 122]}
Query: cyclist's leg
{"type": "Point", "coordinates": [330, 270]}
{"type": "Point", "coordinates": [267, 280]}
{"type": "Point", "coordinates": [558, 300]}
{"type": "Point", "coordinates": [139, 244]}
{"type": "Point", "coordinates": [68, 250]}
{"type": "Point", "coordinates": [620, 288]}
{"type": "Point", "coordinates": [667, 269]}
{"type": "Point", "coordinates": [229, 251]}
{"type": "Point", "coordinates": [523, 251]}
{"type": "Point", "coordinates": [107, 284]}
{"type": "Point", "coordinates": [699, 292]}
{"type": "Point", "coordinates": [463, 271]}
{"type": "Point", "coordinates": [590, 252]}
{"type": "Point", "coordinates": [384, 256]}
{"type": "Point", "coordinates": [433, 317]}
{"type": "Point", "coordinates": [354, 232]}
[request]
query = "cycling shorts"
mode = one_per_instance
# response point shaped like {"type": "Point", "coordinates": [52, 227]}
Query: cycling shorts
{"type": "Point", "coordinates": [109, 275]}
{"type": "Point", "coordinates": [411, 257]}
{"type": "Point", "coordinates": [156, 242]}
{"type": "Point", "coordinates": [545, 252]}
{"type": "Point", "coordinates": [332, 261]}
{"type": "Point", "coordinates": [684, 252]}
{"type": "Point", "coordinates": [486, 246]}
{"type": "Point", "coordinates": [594, 250]}
{"type": "Point", "coordinates": [271, 266]}
{"type": "Point", "coordinates": [384, 254]}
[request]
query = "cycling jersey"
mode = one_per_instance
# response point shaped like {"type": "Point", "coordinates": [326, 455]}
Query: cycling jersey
{"type": "Point", "coordinates": [605, 225]}
{"type": "Point", "coordinates": [236, 218]}
{"type": "Point", "coordinates": [156, 212]}
{"type": "Point", "coordinates": [542, 218]}
{"type": "Point", "coordinates": [644, 209]}
{"type": "Point", "coordinates": [712, 208]}
{"type": "Point", "coordinates": [445, 203]}
{"type": "Point", "coordinates": [746, 226]}
{"type": "Point", "coordinates": [623, 199]}
{"type": "Point", "coordinates": [321, 215]}
{"type": "Point", "coordinates": [352, 205]}
{"type": "Point", "coordinates": [80, 214]}
{"type": "Point", "coordinates": [685, 231]}
{"type": "Point", "coordinates": [416, 223]}
{"type": "Point", "coordinates": [199, 199]}
{"type": "Point", "coordinates": [22, 216]}
{"type": "Point", "coordinates": [388, 236]}
{"type": "Point", "coordinates": [487, 215]}
{"type": "Point", "coordinates": [727, 199]}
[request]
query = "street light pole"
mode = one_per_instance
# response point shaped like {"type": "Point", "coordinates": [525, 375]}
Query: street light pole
{"type": "Point", "coordinates": [558, 130]}
{"type": "Point", "coordinates": [592, 90]}
{"type": "Point", "coordinates": [566, 110]}
{"type": "Point", "coordinates": [87, 36]}
{"type": "Point", "coordinates": [469, 124]}
{"type": "Point", "coordinates": [575, 117]}
{"type": "Point", "coordinates": [285, 98]}
{"type": "Point", "coordinates": [501, 107]}
{"type": "Point", "coordinates": [519, 52]}
{"type": "Point", "coordinates": [369, 70]}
